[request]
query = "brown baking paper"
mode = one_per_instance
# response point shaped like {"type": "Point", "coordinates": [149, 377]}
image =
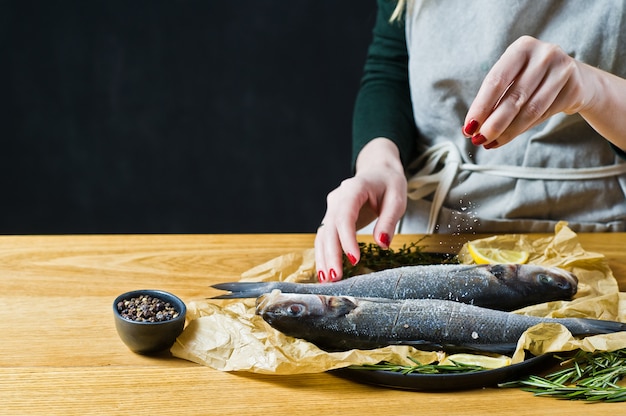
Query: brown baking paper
{"type": "Point", "coordinates": [228, 336]}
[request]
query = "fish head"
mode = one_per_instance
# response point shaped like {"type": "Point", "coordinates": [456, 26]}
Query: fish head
{"type": "Point", "coordinates": [302, 315]}
{"type": "Point", "coordinates": [531, 279]}
{"type": "Point", "coordinates": [277, 305]}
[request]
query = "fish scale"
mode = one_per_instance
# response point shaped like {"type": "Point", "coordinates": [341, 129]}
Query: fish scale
{"type": "Point", "coordinates": [504, 287]}
{"type": "Point", "coordinates": [338, 323]}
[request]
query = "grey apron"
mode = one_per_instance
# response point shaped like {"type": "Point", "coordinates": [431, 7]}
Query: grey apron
{"type": "Point", "coordinates": [561, 170]}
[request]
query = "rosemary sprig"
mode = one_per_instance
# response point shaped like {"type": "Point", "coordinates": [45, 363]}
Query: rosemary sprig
{"type": "Point", "coordinates": [419, 368]}
{"type": "Point", "coordinates": [374, 258]}
{"type": "Point", "coordinates": [589, 376]}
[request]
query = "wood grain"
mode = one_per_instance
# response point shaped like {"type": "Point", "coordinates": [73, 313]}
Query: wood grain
{"type": "Point", "coordinates": [60, 353]}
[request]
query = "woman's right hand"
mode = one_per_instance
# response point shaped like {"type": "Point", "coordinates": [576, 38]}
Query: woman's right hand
{"type": "Point", "coordinates": [377, 190]}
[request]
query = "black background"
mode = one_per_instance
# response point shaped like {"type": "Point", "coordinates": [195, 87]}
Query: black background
{"type": "Point", "coordinates": [176, 116]}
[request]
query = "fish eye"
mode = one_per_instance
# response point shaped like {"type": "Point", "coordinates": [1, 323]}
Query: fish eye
{"type": "Point", "coordinates": [545, 278]}
{"type": "Point", "coordinates": [295, 309]}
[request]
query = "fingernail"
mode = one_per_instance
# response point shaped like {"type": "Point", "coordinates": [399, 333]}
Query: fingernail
{"type": "Point", "coordinates": [333, 275]}
{"type": "Point", "coordinates": [384, 239]}
{"type": "Point", "coordinates": [491, 145]}
{"type": "Point", "coordinates": [351, 258]}
{"type": "Point", "coordinates": [471, 127]}
{"type": "Point", "coordinates": [478, 139]}
{"type": "Point", "coordinates": [321, 277]}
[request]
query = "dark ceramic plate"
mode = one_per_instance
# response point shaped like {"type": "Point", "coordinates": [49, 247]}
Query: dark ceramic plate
{"type": "Point", "coordinates": [443, 382]}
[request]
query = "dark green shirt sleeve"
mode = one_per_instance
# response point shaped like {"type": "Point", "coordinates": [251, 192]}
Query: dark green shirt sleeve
{"type": "Point", "coordinates": [383, 104]}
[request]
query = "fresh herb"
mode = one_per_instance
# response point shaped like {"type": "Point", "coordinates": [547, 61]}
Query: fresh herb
{"type": "Point", "coordinates": [589, 376]}
{"type": "Point", "coordinates": [418, 368]}
{"type": "Point", "coordinates": [374, 258]}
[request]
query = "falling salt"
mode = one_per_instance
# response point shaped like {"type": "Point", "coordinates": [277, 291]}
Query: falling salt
{"type": "Point", "coordinates": [465, 218]}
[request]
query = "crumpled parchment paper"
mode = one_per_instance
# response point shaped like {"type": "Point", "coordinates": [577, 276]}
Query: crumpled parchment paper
{"type": "Point", "coordinates": [228, 336]}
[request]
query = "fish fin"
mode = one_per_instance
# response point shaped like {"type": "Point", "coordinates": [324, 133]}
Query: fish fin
{"type": "Point", "coordinates": [380, 300]}
{"type": "Point", "coordinates": [451, 348]}
{"type": "Point", "coordinates": [502, 272]}
{"type": "Point", "coordinates": [503, 349]}
{"type": "Point", "coordinates": [243, 289]}
{"type": "Point", "coordinates": [341, 305]}
{"type": "Point", "coordinates": [420, 345]}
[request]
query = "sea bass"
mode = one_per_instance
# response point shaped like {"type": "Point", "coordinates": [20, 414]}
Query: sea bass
{"type": "Point", "coordinates": [496, 286]}
{"type": "Point", "coordinates": [338, 323]}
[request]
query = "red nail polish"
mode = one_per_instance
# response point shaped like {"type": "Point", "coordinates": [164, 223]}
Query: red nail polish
{"type": "Point", "coordinates": [478, 140]}
{"type": "Point", "coordinates": [333, 275]}
{"type": "Point", "coordinates": [471, 127]}
{"type": "Point", "coordinates": [321, 277]}
{"type": "Point", "coordinates": [491, 145]}
{"type": "Point", "coordinates": [351, 258]}
{"type": "Point", "coordinates": [384, 239]}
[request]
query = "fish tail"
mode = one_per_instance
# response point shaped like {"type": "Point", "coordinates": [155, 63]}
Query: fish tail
{"type": "Point", "coordinates": [243, 289]}
{"type": "Point", "coordinates": [584, 326]}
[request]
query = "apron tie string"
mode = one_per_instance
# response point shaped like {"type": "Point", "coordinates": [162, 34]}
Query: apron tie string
{"type": "Point", "coordinates": [442, 162]}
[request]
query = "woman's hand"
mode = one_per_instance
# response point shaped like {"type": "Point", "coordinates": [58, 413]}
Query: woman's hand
{"type": "Point", "coordinates": [378, 189]}
{"type": "Point", "coordinates": [534, 80]}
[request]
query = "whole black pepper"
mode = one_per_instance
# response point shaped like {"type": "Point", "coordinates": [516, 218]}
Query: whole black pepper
{"type": "Point", "coordinates": [146, 308]}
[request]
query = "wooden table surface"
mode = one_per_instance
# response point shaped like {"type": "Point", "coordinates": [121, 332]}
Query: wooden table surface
{"type": "Point", "coordinates": [60, 353]}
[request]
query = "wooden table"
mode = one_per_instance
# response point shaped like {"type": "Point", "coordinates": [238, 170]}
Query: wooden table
{"type": "Point", "coordinates": [60, 353]}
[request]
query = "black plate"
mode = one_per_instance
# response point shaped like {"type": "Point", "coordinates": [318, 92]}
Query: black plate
{"type": "Point", "coordinates": [443, 382]}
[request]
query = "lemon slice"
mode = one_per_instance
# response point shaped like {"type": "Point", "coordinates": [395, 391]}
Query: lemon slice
{"type": "Point", "coordinates": [485, 255]}
{"type": "Point", "coordinates": [484, 361]}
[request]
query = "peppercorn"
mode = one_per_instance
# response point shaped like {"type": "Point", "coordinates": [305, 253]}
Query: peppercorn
{"type": "Point", "coordinates": [145, 308]}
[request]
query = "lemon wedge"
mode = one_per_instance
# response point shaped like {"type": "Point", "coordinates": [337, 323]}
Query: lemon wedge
{"type": "Point", "coordinates": [485, 255]}
{"type": "Point", "coordinates": [484, 361]}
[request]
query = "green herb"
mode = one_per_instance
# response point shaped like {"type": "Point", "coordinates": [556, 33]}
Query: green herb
{"type": "Point", "coordinates": [589, 376]}
{"type": "Point", "coordinates": [418, 368]}
{"type": "Point", "coordinates": [374, 258]}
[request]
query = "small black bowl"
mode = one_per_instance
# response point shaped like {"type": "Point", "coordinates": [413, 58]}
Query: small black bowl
{"type": "Point", "coordinates": [150, 337]}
